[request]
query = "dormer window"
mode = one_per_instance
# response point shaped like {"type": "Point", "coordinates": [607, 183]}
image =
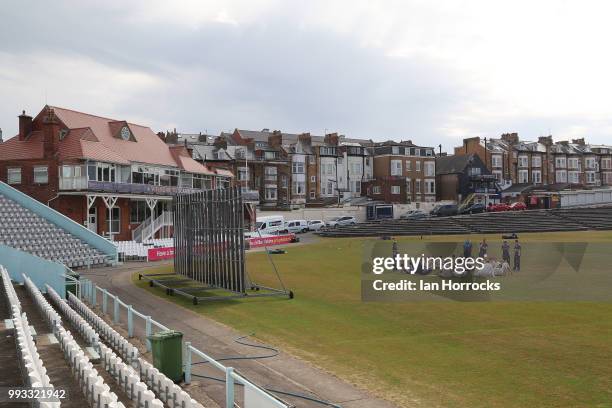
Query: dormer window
{"type": "Point", "coordinates": [121, 130]}
{"type": "Point", "coordinates": [125, 133]}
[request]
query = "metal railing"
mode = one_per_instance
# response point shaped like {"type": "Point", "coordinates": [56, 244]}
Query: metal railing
{"type": "Point", "coordinates": [147, 231]}
{"type": "Point", "coordinates": [89, 292]}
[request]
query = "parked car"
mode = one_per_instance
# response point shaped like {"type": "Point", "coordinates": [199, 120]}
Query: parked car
{"type": "Point", "coordinates": [344, 220]}
{"type": "Point", "coordinates": [518, 206]}
{"type": "Point", "coordinates": [498, 207]}
{"type": "Point", "coordinates": [296, 226]}
{"type": "Point", "coordinates": [414, 215]}
{"type": "Point", "coordinates": [476, 208]}
{"type": "Point", "coordinates": [444, 210]}
{"type": "Point", "coordinates": [315, 225]}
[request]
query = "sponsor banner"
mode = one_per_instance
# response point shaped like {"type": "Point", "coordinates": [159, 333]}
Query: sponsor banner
{"type": "Point", "coordinates": [157, 254]}
{"type": "Point", "coordinates": [271, 240]}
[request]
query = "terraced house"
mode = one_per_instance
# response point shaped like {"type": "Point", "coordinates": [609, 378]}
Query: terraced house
{"type": "Point", "coordinates": [403, 173]}
{"type": "Point", "coordinates": [115, 177]}
{"type": "Point", "coordinates": [279, 170]}
{"type": "Point", "coordinates": [522, 163]}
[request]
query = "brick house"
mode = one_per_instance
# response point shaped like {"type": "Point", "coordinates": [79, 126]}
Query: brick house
{"type": "Point", "coordinates": [402, 173]}
{"type": "Point", "coordinates": [310, 170]}
{"type": "Point", "coordinates": [109, 175]}
{"type": "Point", "coordinates": [465, 178]}
{"type": "Point", "coordinates": [524, 163]}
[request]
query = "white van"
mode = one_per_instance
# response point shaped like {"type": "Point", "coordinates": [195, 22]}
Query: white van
{"type": "Point", "coordinates": [296, 226]}
{"type": "Point", "coordinates": [270, 225]}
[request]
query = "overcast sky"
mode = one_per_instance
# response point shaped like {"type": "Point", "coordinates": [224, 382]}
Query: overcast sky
{"type": "Point", "coordinates": [428, 71]}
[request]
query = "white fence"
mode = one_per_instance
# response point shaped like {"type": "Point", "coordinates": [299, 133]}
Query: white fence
{"type": "Point", "coordinates": [585, 197]}
{"type": "Point", "coordinates": [254, 396]}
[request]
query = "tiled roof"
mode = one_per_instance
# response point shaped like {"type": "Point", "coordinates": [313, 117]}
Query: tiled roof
{"type": "Point", "coordinates": [454, 164]}
{"type": "Point", "coordinates": [185, 162]}
{"type": "Point", "coordinates": [147, 148]}
{"type": "Point", "coordinates": [15, 149]}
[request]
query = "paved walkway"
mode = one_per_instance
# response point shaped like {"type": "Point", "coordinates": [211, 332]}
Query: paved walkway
{"type": "Point", "coordinates": [282, 372]}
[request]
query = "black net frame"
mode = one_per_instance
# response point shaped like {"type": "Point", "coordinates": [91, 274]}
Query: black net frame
{"type": "Point", "coordinates": [209, 238]}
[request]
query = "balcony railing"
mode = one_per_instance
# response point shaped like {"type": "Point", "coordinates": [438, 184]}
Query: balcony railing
{"type": "Point", "coordinates": [73, 183]}
{"type": "Point", "coordinates": [81, 183]}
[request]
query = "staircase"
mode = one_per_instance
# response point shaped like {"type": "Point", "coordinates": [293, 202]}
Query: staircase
{"type": "Point", "coordinates": [149, 227]}
{"type": "Point", "coordinates": [467, 202]}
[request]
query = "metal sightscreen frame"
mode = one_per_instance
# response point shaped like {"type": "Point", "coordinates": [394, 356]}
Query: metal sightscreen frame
{"type": "Point", "coordinates": [209, 246]}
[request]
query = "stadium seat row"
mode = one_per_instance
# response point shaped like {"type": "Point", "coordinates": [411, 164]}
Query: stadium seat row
{"type": "Point", "coordinates": [92, 384]}
{"type": "Point", "coordinates": [116, 341]}
{"type": "Point", "coordinates": [51, 316]}
{"type": "Point", "coordinates": [26, 349]}
{"type": "Point", "coordinates": [84, 329]}
{"type": "Point", "coordinates": [9, 290]}
{"type": "Point", "coordinates": [128, 379]}
{"type": "Point", "coordinates": [171, 394]}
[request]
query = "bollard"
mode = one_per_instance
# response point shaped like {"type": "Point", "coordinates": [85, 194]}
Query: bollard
{"type": "Point", "coordinates": [130, 322]}
{"type": "Point", "coordinates": [187, 362]}
{"type": "Point", "coordinates": [94, 295]}
{"type": "Point", "coordinates": [229, 388]}
{"type": "Point", "coordinates": [148, 332]}
{"type": "Point", "coordinates": [104, 300]}
{"type": "Point", "coordinates": [116, 310]}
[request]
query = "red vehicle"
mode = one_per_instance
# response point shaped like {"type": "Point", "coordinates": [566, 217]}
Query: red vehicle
{"type": "Point", "coordinates": [518, 206]}
{"type": "Point", "coordinates": [498, 207]}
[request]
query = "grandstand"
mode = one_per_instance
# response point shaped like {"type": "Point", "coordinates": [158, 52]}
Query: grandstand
{"type": "Point", "coordinates": [108, 371]}
{"type": "Point", "coordinates": [32, 227]}
{"type": "Point", "coordinates": [571, 219]}
{"type": "Point", "coordinates": [137, 251]}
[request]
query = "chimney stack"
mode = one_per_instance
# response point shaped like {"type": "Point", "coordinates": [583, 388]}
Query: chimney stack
{"type": "Point", "coordinates": [51, 131]}
{"type": "Point", "coordinates": [545, 140]}
{"type": "Point", "coordinates": [25, 125]}
{"type": "Point", "coordinates": [331, 139]}
{"type": "Point", "coordinates": [511, 138]}
{"type": "Point", "coordinates": [579, 142]}
{"type": "Point", "coordinates": [275, 139]}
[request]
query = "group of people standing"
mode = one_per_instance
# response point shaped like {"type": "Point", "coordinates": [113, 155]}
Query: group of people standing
{"type": "Point", "coordinates": [483, 249]}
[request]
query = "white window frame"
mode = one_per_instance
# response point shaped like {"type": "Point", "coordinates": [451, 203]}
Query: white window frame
{"type": "Point", "coordinates": [430, 169]}
{"type": "Point", "coordinates": [430, 186]}
{"type": "Point", "coordinates": [396, 190]}
{"type": "Point", "coordinates": [536, 161]}
{"type": "Point", "coordinates": [536, 176]}
{"type": "Point", "coordinates": [271, 196]}
{"type": "Point", "coordinates": [560, 163]}
{"type": "Point", "coordinates": [13, 175]}
{"type": "Point", "coordinates": [297, 167]}
{"type": "Point", "coordinates": [376, 190]}
{"type": "Point", "coordinates": [41, 178]}
{"type": "Point", "coordinates": [496, 160]}
{"type": "Point", "coordinates": [396, 167]}
{"type": "Point", "coordinates": [561, 176]}
{"type": "Point", "coordinates": [523, 176]}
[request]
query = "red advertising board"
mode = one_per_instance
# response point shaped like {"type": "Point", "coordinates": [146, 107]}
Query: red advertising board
{"type": "Point", "coordinates": [157, 254]}
{"type": "Point", "coordinates": [271, 240]}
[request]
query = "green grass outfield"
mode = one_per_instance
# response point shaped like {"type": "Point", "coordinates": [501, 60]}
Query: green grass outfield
{"type": "Point", "coordinates": [428, 354]}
